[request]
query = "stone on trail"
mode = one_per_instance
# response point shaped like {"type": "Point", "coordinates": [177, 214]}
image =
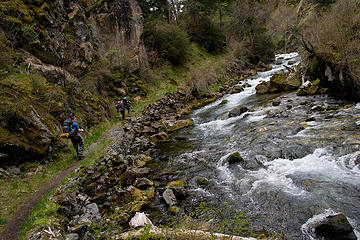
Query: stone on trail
{"type": "Point", "coordinates": [139, 220]}
{"type": "Point", "coordinates": [169, 197]}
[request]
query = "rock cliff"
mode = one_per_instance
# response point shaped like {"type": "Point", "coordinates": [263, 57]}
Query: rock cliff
{"type": "Point", "coordinates": [59, 58]}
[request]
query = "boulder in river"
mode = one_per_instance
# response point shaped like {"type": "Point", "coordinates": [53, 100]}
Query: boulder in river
{"type": "Point", "coordinates": [279, 83]}
{"type": "Point", "coordinates": [235, 158]}
{"type": "Point", "coordinates": [180, 124]}
{"type": "Point", "coordinates": [335, 227]}
{"type": "Point", "coordinates": [238, 111]}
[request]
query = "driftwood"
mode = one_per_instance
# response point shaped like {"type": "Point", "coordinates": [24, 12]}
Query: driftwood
{"type": "Point", "coordinates": [178, 234]}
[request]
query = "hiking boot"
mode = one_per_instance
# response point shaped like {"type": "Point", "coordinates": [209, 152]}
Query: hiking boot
{"type": "Point", "coordinates": [80, 157]}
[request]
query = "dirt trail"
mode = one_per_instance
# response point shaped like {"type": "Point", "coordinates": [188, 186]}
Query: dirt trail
{"type": "Point", "coordinates": [15, 224]}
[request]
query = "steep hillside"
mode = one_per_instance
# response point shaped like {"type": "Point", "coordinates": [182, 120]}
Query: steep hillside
{"type": "Point", "coordinates": [59, 58]}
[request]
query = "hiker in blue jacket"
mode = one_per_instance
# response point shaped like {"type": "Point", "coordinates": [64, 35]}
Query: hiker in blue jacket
{"type": "Point", "coordinates": [76, 139]}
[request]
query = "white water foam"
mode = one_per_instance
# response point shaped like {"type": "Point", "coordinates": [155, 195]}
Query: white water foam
{"type": "Point", "coordinates": [286, 55]}
{"type": "Point", "coordinates": [320, 165]}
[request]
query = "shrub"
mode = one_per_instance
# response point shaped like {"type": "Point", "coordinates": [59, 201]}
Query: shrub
{"type": "Point", "coordinates": [208, 35]}
{"type": "Point", "coordinates": [169, 41]}
{"type": "Point", "coordinates": [335, 36]}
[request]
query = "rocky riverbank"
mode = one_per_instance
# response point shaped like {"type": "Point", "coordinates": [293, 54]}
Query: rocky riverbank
{"type": "Point", "coordinates": [105, 196]}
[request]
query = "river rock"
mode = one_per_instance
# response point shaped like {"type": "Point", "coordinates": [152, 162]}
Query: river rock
{"type": "Point", "coordinates": [223, 102]}
{"type": "Point", "coordinates": [169, 197]}
{"type": "Point", "coordinates": [309, 88]}
{"type": "Point", "coordinates": [237, 89]}
{"type": "Point", "coordinates": [238, 111]}
{"type": "Point", "coordinates": [335, 227]}
{"type": "Point", "coordinates": [279, 83]}
{"type": "Point", "coordinates": [276, 102]}
{"type": "Point", "coordinates": [235, 158]}
{"type": "Point", "coordinates": [201, 181]}
{"type": "Point", "coordinates": [180, 124]}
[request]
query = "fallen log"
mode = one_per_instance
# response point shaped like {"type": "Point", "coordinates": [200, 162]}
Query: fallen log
{"type": "Point", "coordinates": [178, 234]}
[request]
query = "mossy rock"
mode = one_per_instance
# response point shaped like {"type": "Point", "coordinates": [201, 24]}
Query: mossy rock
{"type": "Point", "coordinates": [312, 90]}
{"type": "Point", "coordinates": [235, 158]}
{"type": "Point", "coordinates": [150, 193]}
{"type": "Point", "coordinates": [184, 112]}
{"type": "Point", "coordinates": [224, 102]}
{"type": "Point", "coordinates": [178, 183]}
{"type": "Point", "coordinates": [237, 89]}
{"type": "Point", "coordinates": [202, 181]}
{"type": "Point", "coordinates": [180, 124]}
{"type": "Point", "coordinates": [174, 209]}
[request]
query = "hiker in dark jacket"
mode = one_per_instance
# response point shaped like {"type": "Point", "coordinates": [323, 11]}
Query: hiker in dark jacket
{"type": "Point", "coordinates": [127, 104]}
{"type": "Point", "coordinates": [76, 139]}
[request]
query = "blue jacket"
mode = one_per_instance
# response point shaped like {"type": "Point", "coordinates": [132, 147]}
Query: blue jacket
{"type": "Point", "coordinates": [75, 127]}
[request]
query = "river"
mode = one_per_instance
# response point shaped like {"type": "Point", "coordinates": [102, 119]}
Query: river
{"type": "Point", "coordinates": [301, 157]}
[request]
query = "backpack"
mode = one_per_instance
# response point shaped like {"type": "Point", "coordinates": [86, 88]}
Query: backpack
{"type": "Point", "coordinates": [118, 104]}
{"type": "Point", "coordinates": [127, 103]}
{"type": "Point", "coordinates": [67, 129]}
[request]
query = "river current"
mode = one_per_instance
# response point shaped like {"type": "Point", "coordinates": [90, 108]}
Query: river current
{"type": "Point", "coordinates": [301, 157]}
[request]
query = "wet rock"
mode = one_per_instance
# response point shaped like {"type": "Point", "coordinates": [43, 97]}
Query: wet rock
{"type": "Point", "coordinates": [179, 192]}
{"type": "Point", "coordinates": [335, 227]}
{"type": "Point", "coordinates": [224, 102]}
{"type": "Point", "coordinates": [238, 111]}
{"type": "Point", "coordinates": [317, 108]}
{"type": "Point", "coordinates": [178, 183]}
{"type": "Point", "coordinates": [235, 158]}
{"type": "Point", "coordinates": [237, 89]}
{"type": "Point", "coordinates": [180, 124]}
{"type": "Point", "coordinates": [310, 119]}
{"type": "Point", "coordinates": [357, 160]}
{"type": "Point", "coordinates": [276, 102]}
{"type": "Point", "coordinates": [169, 197]}
{"type": "Point", "coordinates": [202, 181]}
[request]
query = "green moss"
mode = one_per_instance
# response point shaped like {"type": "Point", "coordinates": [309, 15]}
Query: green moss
{"type": "Point", "coordinates": [178, 183]}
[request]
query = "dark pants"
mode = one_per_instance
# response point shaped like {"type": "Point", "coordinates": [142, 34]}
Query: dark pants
{"type": "Point", "coordinates": [78, 145]}
{"type": "Point", "coordinates": [128, 109]}
{"type": "Point", "coordinates": [122, 114]}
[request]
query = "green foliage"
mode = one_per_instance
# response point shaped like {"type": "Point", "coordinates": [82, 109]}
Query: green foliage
{"type": "Point", "coordinates": [333, 36]}
{"type": "Point", "coordinates": [259, 47]}
{"type": "Point", "coordinates": [169, 41]}
{"type": "Point", "coordinates": [208, 35]}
